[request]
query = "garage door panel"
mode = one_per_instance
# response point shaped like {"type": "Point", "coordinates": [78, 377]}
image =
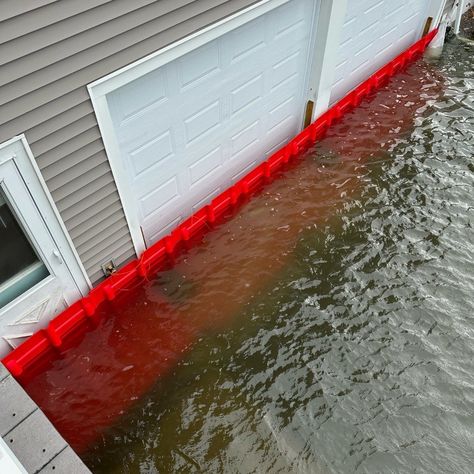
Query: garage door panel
{"type": "Point", "coordinates": [147, 92]}
{"type": "Point", "coordinates": [156, 228]}
{"type": "Point", "coordinates": [392, 10]}
{"type": "Point", "coordinates": [274, 147]}
{"type": "Point", "coordinates": [202, 195]}
{"type": "Point", "coordinates": [290, 31]}
{"type": "Point", "coordinates": [195, 112]}
{"type": "Point", "coordinates": [411, 21]}
{"type": "Point", "coordinates": [144, 128]}
{"type": "Point", "coordinates": [211, 115]}
{"type": "Point", "coordinates": [388, 37]}
{"type": "Point", "coordinates": [287, 47]}
{"type": "Point", "coordinates": [240, 171]}
{"type": "Point", "coordinates": [160, 221]}
{"type": "Point", "coordinates": [167, 197]}
{"type": "Point", "coordinates": [204, 121]}
{"type": "Point", "coordinates": [277, 135]}
{"type": "Point", "coordinates": [147, 183]}
{"type": "Point", "coordinates": [396, 25]}
{"type": "Point", "coordinates": [237, 74]}
{"type": "Point", "coordinates": [197, 67]}
{"type": "Point", "coordinates": [286, 68]}
{"type": "Point", "coordinates": [153, 153]}
{"type": "Point", "coordinates": [160, 196]}
{"type": "Point", "coordinates": [284, 87]}
{"type": "Point", "coordinates": [281, 112]}
{"type": "Point", "coordinates": [245, 138]}
{"type": "Point", "coordinates": [247, 41]}
{"type": "Point", "coordinates": [372, 13]}
{"type": "Point", "coordinates": [206, 165]}
{"type": "Point", "coordinates": [207, 198]}
{"type": "Point", "coordinates": [406, 40]}
{"type": "Point", "coordinates": [247, 94]}
{"type": "Point", "coordinates": [282, 128]}
{"type": "Point", "coordinates": [290, 18]}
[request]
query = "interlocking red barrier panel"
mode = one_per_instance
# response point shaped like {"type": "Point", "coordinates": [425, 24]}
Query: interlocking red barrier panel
{"type": "Point", "coordinates": [84, 314]}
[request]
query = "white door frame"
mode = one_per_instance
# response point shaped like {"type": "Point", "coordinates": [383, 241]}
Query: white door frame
{"type": "Point", "coordinates": [31, 175]}
{"type": "Point", "coordinates": [99, 89]}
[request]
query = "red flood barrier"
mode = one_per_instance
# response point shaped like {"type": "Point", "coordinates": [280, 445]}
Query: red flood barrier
{"type": "Point", "coordinates": [84, 314]}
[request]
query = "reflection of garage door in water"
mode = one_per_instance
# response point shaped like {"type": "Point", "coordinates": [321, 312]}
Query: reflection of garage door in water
{"type": "Point", "coordinates": [192, 127]}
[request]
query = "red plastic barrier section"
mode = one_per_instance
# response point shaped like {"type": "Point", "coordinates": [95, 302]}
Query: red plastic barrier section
{"type": "Point", "coordinates": [83, 314]}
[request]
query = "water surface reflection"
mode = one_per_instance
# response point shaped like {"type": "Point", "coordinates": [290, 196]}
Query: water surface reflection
{"type": "Point", "coordinates": [326, 328]}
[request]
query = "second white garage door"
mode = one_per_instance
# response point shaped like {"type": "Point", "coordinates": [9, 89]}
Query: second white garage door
{"type": "Point", "coordinates": [192, 127]}
{"type": "Point", "coordinates": [374, 32]}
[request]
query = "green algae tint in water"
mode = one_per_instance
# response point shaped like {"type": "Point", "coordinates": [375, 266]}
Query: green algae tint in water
{"type": "Point", "coordinates": [328, 327]}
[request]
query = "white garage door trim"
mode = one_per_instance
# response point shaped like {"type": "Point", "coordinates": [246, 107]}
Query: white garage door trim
{"type": "Point", "coordinates": [99, 90]}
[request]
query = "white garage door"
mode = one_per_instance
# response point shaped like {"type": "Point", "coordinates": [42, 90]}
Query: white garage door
{"type": "Point", "coordinates": [374, 32]}
{"type": "Point", "coordinates": [191, 128]}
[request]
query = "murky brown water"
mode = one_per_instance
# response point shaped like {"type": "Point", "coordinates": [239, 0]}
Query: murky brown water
{"type": "Point", "coordinates": [328, 327]}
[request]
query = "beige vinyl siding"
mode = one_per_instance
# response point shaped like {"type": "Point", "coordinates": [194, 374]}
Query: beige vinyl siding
{"type": "Point", "coordinates": [11, 8]}
{"type": "Point", "coordinates": [49, 51]}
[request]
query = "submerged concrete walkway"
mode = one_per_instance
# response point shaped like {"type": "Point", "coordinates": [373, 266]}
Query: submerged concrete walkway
{"type": "Point", "coordinates": [33, 440]}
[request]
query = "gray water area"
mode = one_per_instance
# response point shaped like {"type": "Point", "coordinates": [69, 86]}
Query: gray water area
{"type": "Point", "coordinates": [355, 353]}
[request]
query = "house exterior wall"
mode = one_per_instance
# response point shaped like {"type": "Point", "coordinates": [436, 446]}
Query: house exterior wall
{"type": "Point", "coordinates": [49, 52]}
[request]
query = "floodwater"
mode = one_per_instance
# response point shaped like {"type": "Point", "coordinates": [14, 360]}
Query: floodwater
{"type": "Point", "coordinates": [328, 327]}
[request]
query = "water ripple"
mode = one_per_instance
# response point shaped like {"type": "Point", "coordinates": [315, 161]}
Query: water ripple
{"type": "Point", "coordinates": [331, 322]}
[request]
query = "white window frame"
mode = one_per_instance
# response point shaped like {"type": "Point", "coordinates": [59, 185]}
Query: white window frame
{"type": "Point", "coordinates": [99, 89]}
{"type": "Point", "coordinates": [38, 189]}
